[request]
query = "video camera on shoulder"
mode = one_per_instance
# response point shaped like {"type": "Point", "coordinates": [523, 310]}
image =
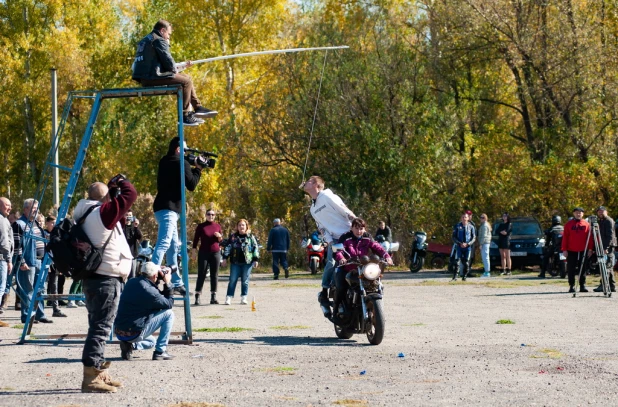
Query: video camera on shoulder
{"type": "Point", "coordinates": [205, 159]}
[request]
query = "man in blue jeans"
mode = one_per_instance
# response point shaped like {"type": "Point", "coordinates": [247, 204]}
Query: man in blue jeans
{"type": "Point", "coordinates": [28, 261]}
{"type": "Point", "coordinates": [333, 219]}
{"type": "Point", "coordinates": [278, 245]}
{"type": "Point", "coordinates": [167, 206]}
{"type": "Point", "coordinates": [143, 309]}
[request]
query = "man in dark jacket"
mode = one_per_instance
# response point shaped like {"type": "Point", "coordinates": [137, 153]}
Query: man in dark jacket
{"type": "Point", "coordinates": [464, 236]}
{"type": "Point", "coordinates": [384, 231]}
{"type": "Point", "coordinates": [279, 244]}
{"type": "Point", "coordinates": [155, 66]}
{"type": "Point", "coordinates": [143, 309]}
{"type": "Point", "coordinates": [608, 239]}
{"type": "Point", "coordinates": [167, 206]}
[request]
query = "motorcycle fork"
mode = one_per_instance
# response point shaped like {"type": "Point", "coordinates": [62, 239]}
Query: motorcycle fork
{"type": "Point", "coordinates": [363, 296]}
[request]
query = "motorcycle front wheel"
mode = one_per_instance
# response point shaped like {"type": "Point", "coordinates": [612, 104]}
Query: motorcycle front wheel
{"type": "Point", "coordinates": [313, 266]}
{"type": "Point", "coordinates": [417, 265]}
{"type": "Point", "coordinates": [343, 333]}
{"type": "Point", "coordinates": [563, 269]}
{"type": "Point", "coordinates": [375, 311]}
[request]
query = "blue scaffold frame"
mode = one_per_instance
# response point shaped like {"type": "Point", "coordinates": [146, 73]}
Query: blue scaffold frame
{"type": "Point", "coordinates": [38, 295]}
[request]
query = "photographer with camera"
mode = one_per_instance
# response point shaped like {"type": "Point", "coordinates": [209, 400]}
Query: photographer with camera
{"type": "Point", "coordinates": [134, 237]}
{"type": "Point", "coordinates": [105, 207]}
{"type": "Point", "coordinates": [167, 204]}
{"type": "Point", "coordinates": [143, 310]}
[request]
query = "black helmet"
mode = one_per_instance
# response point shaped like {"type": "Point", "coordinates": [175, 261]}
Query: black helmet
{"type": "Point", "coordinates": [556, 220]}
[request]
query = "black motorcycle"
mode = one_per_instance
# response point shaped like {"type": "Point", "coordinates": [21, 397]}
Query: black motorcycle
{"type": "Point", "coordinates": [418, 252]}
{"type": "Point", "coordinates": [554, 262]}
{"type": "Point", "coordinates": [361, 310]}
{"type": "Point", "coordinates": [144, 255]}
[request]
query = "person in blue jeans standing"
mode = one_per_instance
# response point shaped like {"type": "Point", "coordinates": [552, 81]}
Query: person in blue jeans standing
{"type": "Point", "coordinates": [143, 310]}
{"type": "Point", "coordinates": [278, 245]}
{"type": "Point", "coordinates": [167, 206]}
{"type": "Point", "coordinates": [28, 259]}
{"type": "Point", "coordinates": [464, 236]}
{"type": "Point", "coordinates": [244, 254]}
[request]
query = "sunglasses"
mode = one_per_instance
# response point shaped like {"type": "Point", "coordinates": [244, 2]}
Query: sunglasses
{"type": "Point", "coordinates": [210, 214]}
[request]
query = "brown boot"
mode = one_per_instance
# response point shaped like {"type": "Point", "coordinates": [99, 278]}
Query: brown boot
{"type": "Point", "coordinates": [3, 324]}
{"type": "Point", "coordinates": [94, 383]}
{"type": "Point", "coordinates": [106, 377]}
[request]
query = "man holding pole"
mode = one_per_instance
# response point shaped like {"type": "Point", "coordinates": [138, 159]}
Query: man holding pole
{"type": "Point", "coordinates": [155, 66]}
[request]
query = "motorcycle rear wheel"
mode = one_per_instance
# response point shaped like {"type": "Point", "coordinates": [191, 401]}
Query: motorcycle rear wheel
{"type": "Point", "coordinates": [375, 311]}
{"type": "Point", "coordinates": [438, 262]}
{"type": "Point", "coordinates": [313, 266]}
{"type": "Point", "coordinates": [343, 333]}
{"type": "Point", "coordinates": [416, 266]}
{"type": "Point", "coordinates": [563, 269]}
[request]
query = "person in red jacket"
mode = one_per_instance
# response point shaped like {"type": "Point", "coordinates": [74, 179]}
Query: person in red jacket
{"type": "Point", "coordinates": [575, 241]}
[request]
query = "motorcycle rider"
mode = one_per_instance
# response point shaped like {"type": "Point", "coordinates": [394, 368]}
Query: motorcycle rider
{"type": "Point", "coordinates": [334, 219]}
{"type": "Point", "coordinates": [356, 243]}
{"type": "Point", "coordinates": [608, 239]}
{"type": "Point", "coordinates": [464, 236]}
{"type": "Point", "coordinates": [553, 240]}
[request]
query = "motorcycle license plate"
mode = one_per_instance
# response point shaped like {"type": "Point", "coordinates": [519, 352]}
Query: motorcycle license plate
{"type": "Point", "coordinates": [513, 254]}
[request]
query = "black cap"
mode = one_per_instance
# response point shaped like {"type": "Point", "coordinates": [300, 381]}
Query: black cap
{"type": "Point", "coordinates": [579, 208]}
{"type": "Point", "coordinates": [601, 208]}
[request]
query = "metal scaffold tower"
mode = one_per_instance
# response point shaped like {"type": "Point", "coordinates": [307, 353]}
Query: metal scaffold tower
{"type": "Point", "coordinates": [98, 96]}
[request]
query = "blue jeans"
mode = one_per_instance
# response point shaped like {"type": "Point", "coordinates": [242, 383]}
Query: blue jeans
{"type": "Point", "coordinates": [485, 256]}
{"type": "Point", "coordinates": [4, 269]}
{"type": "Point", "coordinates": [279, 258]}
{"type": "Point", "coordinates": [102, 297]}
{"type": "Point", "coordinates": [329, 268]}
{"type": "Point", "coordinates": [26, 280]}
{"type": "Point", "coordinates": [167, 242]}
{"type": "Point", "coordinates": [236, 271]}
{"type": "Point", "coordinates": [163, 319]}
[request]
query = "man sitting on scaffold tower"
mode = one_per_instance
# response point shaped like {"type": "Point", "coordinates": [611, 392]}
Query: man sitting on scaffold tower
{"type": "Point", "coordinates": [154, 66]}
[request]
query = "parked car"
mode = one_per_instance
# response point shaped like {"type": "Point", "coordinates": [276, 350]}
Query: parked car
{"type": "Point", "coordinates": [527, 242]}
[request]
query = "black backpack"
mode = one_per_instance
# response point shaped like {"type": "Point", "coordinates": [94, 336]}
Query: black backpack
{"type": "Point", "coordinates": [72, 251]}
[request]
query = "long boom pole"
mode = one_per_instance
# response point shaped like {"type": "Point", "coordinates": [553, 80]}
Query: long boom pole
{"type": "Point", "coordinates": [182, 65]}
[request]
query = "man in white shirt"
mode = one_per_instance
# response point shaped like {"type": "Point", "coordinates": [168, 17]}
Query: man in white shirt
{"type": "Point", "coordinates": [334, 219]}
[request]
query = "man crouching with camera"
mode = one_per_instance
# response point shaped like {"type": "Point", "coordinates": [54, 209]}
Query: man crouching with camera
{"type": "Point", "coordinates": [143, 309]}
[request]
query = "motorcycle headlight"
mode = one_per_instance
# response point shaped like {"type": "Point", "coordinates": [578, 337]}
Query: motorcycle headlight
{"type": "Point", "coordinates": [541, 243]}
{"type": "Point", "coordinates": [493, 245]}
{"type": "Point", "coordinates": [371, 271]}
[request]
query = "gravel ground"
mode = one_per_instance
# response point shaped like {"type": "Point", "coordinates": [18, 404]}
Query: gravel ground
{"type": "Point", "coordinates": [559, 350]}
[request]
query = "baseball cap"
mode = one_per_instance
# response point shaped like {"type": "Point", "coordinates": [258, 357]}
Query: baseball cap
{"type": "Point", "coordinates": [601, 208]}
{"type": "Point", "coordinates": [579, 208]}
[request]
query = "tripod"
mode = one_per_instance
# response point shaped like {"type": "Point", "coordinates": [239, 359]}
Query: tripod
{"type": "Point", "coordinates": [601, 256]}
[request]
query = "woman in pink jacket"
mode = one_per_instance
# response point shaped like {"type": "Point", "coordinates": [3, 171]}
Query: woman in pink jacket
{"type": "Point", "coordinates": [356, 243]}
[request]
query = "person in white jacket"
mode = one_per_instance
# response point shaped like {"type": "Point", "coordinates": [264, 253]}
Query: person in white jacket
{"type": "Point", "coordinates": [334, 219]}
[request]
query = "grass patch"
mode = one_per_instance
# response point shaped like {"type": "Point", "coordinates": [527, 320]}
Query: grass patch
{"type": "Point", "coordinates": [191, 404]}
{"type": "Point", "coordinates": [549, 354]}
{"type": "Point", "coordinates": [288, 328]}
{"type": "Point", "coordinates": [224, 329]}
{"type": "Point", "coordinates": [281, 370]}
{"type": "Point", "coordinates": [351, 403]}
{"type": "Point", "coordinates": [18, 326]}
{"type": "Point", "coordinates": [212, 317]}
{"type": "Point", "coordinates": [7, 389]}
{"type": "Point", "coordinates": [504, 322]}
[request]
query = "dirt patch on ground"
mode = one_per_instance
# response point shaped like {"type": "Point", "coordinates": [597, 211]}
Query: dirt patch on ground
{"type": "Point", "coordinates": [560, 351]}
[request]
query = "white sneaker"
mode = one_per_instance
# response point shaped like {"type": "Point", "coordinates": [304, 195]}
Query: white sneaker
{"type": "Point", "coordinates": [228, 300]}
{"type": "Point", "coordinates": [71, 304]}
{"type": "Point", "coordinates": [243, 299]}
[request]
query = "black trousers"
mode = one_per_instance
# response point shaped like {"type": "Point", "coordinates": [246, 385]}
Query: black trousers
{"type": "Point", "coordinates": [52, 285]}
{"type": "Point", "coordinates": [206, 261]}
{"type": "Point", "coordinates": [574, 262]}
{"type": "Point", "coordinates": [342, 286]}
{"type": "Point", "coordinates": [102, 297]}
